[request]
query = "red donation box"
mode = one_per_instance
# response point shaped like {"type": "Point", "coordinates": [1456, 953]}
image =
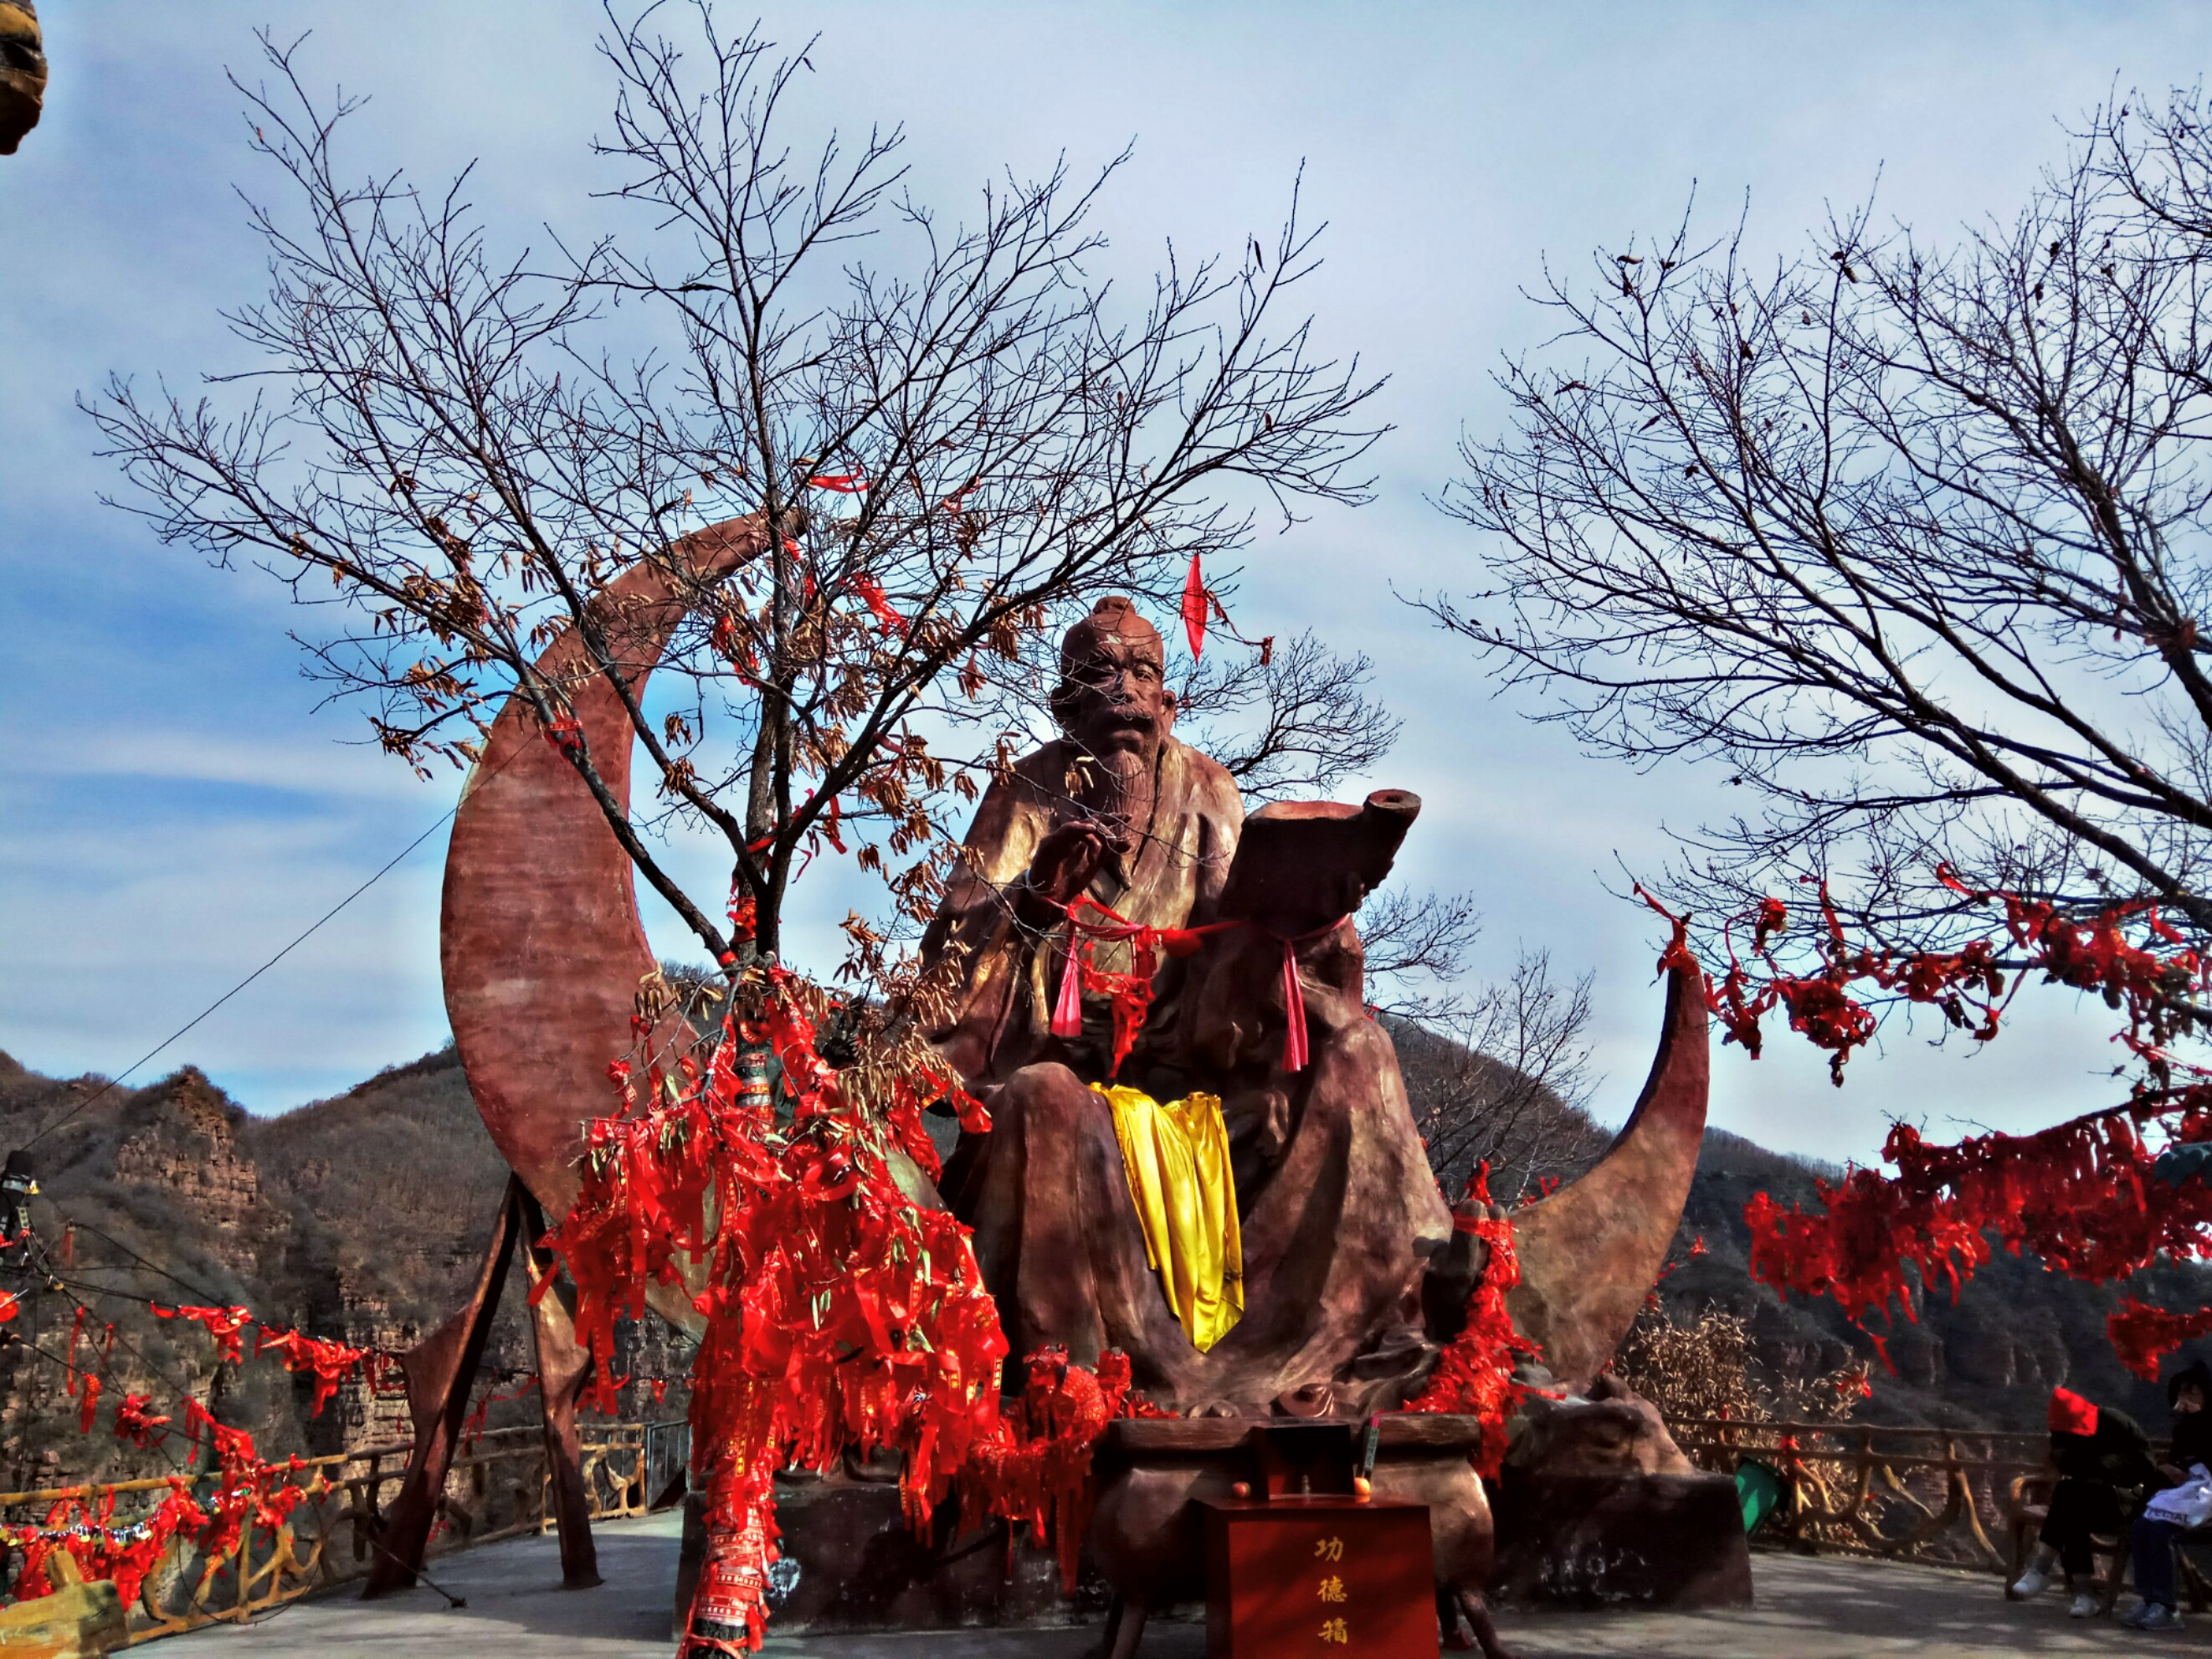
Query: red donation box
{"type": "Point", "coordinates": [1315, 1577]}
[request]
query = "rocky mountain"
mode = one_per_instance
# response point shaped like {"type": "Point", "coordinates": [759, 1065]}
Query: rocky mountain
{"type": "Point", "coordinates": [361, 1218]}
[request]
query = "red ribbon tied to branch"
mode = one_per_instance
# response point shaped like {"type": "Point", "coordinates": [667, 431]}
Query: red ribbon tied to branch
{"type": "Point", "coordinates": [328, 1362]}
{"type": "Point", "coordinates": [880, 605]}
{"type": "Point", "coordinates": [1193, 608]}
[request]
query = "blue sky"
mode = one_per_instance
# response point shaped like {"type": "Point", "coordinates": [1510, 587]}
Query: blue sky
{"type": "Point", "coordinates": [175, 806]}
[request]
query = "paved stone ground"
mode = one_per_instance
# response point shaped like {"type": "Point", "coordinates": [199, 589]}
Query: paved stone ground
{"type": "Point", "coordinates": [1807, 1609]}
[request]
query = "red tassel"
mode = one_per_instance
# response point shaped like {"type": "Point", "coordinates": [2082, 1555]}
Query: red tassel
{"type": "Point", "coordinates": [1193, 608]}
{"type": "Point", "coordinates": [1067, 1011]}
{"type": "Point", "coordinates": [1294, 1003]}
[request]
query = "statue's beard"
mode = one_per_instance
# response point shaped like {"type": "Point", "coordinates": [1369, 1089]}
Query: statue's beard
{"type": "Point", "coordinates": [1118, 783]}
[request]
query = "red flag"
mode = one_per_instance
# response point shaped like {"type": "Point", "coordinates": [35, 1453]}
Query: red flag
{"type": "Point", "coordinates": [1193, 608]}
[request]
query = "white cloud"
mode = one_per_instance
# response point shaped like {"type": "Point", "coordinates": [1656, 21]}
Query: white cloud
{"type": "Point", "coordinates": [301, 766]}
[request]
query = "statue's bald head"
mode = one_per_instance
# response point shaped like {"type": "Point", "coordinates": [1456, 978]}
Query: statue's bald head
{"type": "Point", "coordinates": [1112, 618]}
{"type": "Point", "coordinates": [1113, 691]}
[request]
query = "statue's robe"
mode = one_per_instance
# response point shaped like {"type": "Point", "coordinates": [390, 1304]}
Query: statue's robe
{"type": "Point", "coordinates": [1339, 1209]}
{"type": "Point", "coordinates": [1342, 1221]}
{"type": "Point", "coordinates": [1002, 1017]}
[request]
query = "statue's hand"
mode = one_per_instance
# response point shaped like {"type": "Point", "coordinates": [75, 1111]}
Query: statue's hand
{"type": "Point", "coordinates": [1067, 861]}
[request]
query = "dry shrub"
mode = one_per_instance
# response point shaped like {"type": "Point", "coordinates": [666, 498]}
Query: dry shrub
{"type": "Point", "coordinates": [1708, 1367]}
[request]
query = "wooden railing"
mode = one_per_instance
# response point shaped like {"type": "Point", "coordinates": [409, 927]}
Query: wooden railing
{"type": "Point", "coordinates": [497, 1488]}
{"type": "Point", "coordinates": [1940, 1496]}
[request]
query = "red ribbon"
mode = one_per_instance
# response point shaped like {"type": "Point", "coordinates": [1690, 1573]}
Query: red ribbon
{"type": "Point", "coordinates": [1295, 1054]}
{"type": "Point", "coordinates": [1067, 1011]}
{"type": "Point", "coordinates": [1068, 1006]}
{"type": "Point", "coordinates": [1193, 608]}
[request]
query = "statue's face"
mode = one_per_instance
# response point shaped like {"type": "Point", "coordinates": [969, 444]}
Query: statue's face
{"type": "Point", "coordinates": [1115, 695]}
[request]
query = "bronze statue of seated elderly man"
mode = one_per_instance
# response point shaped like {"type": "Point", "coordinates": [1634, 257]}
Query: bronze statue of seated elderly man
{"type": "Point", "coordinates": [1250, 1226]}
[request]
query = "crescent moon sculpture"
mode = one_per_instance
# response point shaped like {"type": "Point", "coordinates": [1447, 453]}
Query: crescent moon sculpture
{"type": "Point", "coordinates": [539, 939]}
{"type": "Point", "coordinates": [1591, 1252]}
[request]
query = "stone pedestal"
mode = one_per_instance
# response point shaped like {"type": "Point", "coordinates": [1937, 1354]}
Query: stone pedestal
{"type": "Point", "coordinates": [1672, 1541]}
{"type": "Point", "coordinates": [1151, 1473]}
{"type": "Point", "coordinates": [849, 1563]}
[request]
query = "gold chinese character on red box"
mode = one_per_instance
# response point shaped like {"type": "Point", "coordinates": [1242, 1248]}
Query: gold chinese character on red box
{"type": "Point", "coordinates": [1272, 1562]}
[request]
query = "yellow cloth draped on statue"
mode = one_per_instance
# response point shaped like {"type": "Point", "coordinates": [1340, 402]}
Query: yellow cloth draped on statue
{"type": "Point", "coordinates": [1176, 1158]}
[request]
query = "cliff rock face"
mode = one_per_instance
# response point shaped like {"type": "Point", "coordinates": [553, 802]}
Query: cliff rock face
{"type": "Point", "coordinates": [182, 1137]}
{"type": "Point", "coordinates": [362, 1218]}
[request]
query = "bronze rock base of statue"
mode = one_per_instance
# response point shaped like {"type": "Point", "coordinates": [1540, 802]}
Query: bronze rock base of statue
{"type": "Point", "coordinates": [1597, 1506]}
{"type": "Point", "coordinates": [848, 1563]}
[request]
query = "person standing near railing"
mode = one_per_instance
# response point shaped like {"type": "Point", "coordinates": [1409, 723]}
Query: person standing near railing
{"type": "Point", "coordinates": [2098, 1452]}
{"type": "Point", "coordinates": [2187, 1500]}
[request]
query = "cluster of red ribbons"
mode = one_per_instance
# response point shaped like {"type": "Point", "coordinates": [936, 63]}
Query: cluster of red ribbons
{"type": "Point", "coordinates": [1091, 923]}
{"type": "Point", "coordinates": [226, 1325]}
{"type": "Point", "coordinates": [247, 1492]}
{"type": "Point", "coordinates": [1475, 1376]}
{"type": "Point", "coordinates": [1036, 1469]}
{"type": "Point", "coordinates": [86, 1532]}
{"type": "Point", "coordinates": [329, 1363]}
{"type": "Point", "coordinates": [2080, 1195]}
{"type": "Point", "coordinates": [1965, 985]}
{"type": "Point", "coordinates": [838, 1313]}
{"type": "Point", "coordinates": [2143, 1335]}
{"type": "Point", "coordinates": [1968, 985]}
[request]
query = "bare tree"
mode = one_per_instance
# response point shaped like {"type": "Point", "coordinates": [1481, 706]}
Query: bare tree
{"type": "Point", "coordinates": [1416, 945]}
{"type": "Point", "coordinates": [1294, 717]}
{"type": "Point", "coordinates": [1506, 1078]}
{"type": "Point", "coordinates": [948, 435]}
{"type": "Point", "coordinates": [1910, 539]}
